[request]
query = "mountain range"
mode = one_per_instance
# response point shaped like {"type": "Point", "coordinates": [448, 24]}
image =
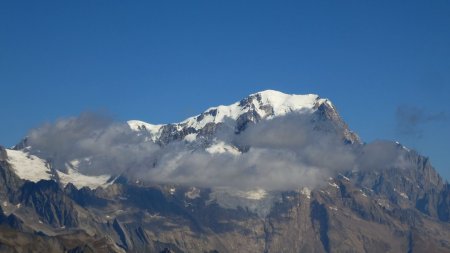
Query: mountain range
{"type": "Point", "coordinates": [273, 172]}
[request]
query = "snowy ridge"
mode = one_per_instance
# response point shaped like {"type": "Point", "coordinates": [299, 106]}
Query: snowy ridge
{"type": "Point", "coordinates": [79, 180]}
{"type": "Point", "coordinates": [284, 103]}
{"type": "Point", "coordinates": [268, 104]}
{"type": "Point", "coordinates": [28, 167]}
{"type": "Point", "coordinates": [281, 105]}
{"type": "Point", "coordinates": [32, 168]}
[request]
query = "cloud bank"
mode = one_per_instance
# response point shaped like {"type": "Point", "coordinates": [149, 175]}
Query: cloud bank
{"type": "Point", "coordinates": [279, 154]}
{"type": "Point", "coordinates": [102, 145]}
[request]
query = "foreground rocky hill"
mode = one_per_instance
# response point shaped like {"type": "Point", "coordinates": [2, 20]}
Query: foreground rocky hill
{"type": "Point", "coordinates": [391, 200]}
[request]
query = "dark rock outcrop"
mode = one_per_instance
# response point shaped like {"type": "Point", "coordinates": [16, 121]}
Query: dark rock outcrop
{"type": "Point", "coordinates": [50, 203]}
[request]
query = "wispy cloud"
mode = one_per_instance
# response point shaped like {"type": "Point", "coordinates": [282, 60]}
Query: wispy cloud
{"type": "Point", "coordinates": [411, 120]}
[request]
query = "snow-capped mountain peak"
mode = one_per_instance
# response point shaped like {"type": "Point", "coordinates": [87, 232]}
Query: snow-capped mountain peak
{"type": "Point", "coordinates": [284, 103]}
{"type": "Point", "coordinates": [268, 103]}
{"type": "Point", "coordinates": [261, 105]}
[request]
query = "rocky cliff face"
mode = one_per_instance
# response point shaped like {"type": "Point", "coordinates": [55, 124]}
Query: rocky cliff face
{"type": "Point", "coordinates": [378, 207]}
{"type": "Point", "coordinates": [9, 181]}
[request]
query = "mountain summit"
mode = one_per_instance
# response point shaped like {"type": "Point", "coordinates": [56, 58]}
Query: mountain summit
{"type": "Point", "coordinates": [259, 106]}
{"type": "Point", "coordinates": [270, 173]}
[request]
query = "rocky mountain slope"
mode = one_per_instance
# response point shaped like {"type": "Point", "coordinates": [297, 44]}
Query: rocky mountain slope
{"type": "Point", "coordinates": [376, 206]}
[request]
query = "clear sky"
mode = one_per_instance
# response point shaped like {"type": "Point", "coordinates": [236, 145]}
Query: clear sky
{"type": "Point", "coordinates": [384, 64]}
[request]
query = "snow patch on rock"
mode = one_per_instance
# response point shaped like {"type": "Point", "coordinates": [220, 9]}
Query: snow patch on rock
{"type": "Point", "coordinates": [79, 180]}
{"type": "Point", "coordinates": [28, 167]}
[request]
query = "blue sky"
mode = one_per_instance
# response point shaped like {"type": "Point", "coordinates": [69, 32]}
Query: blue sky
{"type": "Point", "coordinates": [384, 64]}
